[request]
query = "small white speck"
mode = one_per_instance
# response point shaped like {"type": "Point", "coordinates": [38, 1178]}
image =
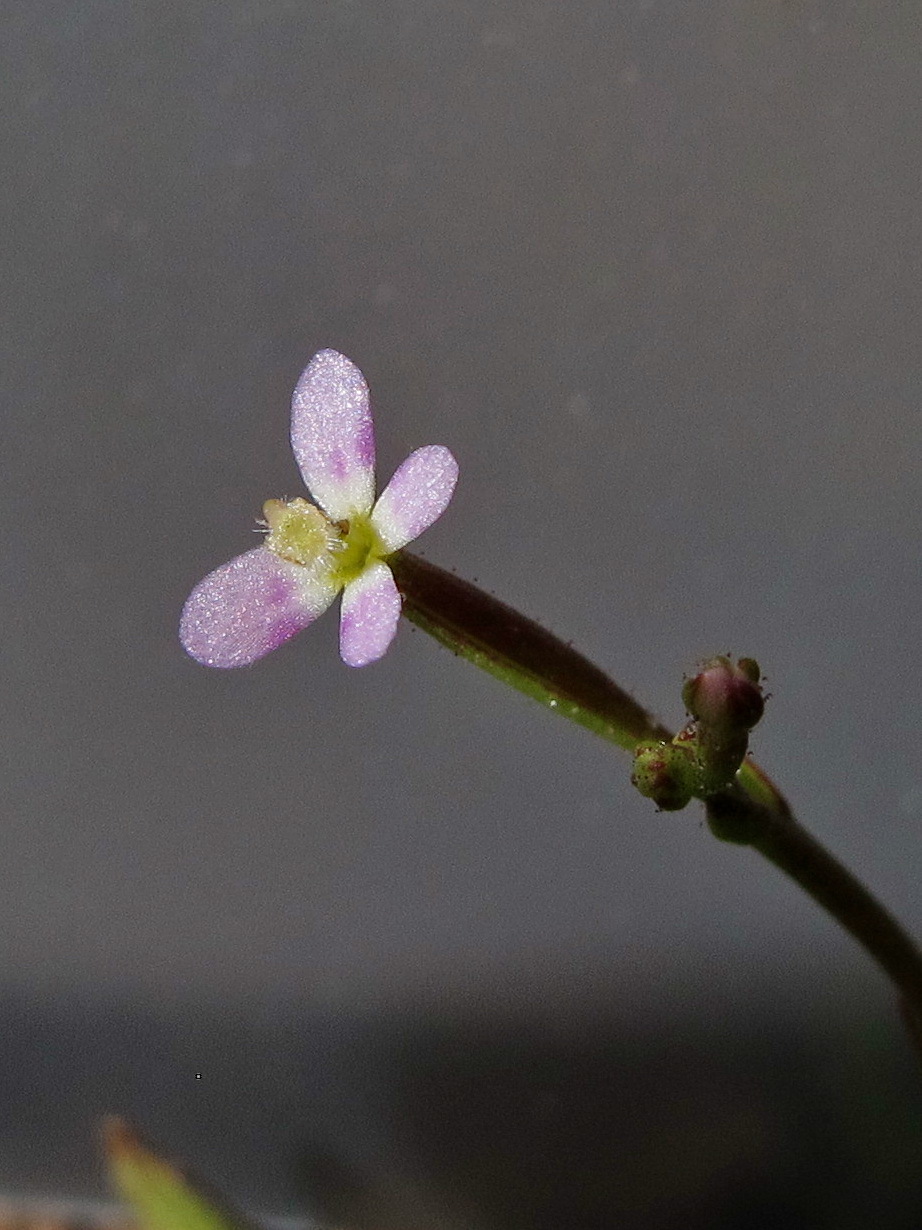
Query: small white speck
{"type": "Point", "coordinates": [910, 802]}
{"type": "Point", "coordinates": [578, 407]}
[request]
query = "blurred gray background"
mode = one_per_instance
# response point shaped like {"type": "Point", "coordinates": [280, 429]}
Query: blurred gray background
{"type": "Point", "coordinates": [395, 945]}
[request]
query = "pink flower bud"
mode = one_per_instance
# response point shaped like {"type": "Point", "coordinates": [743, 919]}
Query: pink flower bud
{"type": "Point", "coordinates": [724, 696]}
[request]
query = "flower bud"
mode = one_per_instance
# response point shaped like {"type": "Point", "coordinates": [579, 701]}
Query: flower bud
{"type": "Point", "coordinates": [725, 697]}
{"type": "Point", "coordinates": [665, 773]}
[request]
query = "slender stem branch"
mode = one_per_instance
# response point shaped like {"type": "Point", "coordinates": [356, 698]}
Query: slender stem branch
{"type": "Point", "coordinates": [751, 812]}
{"type": "Point", "coordinates": [520, 652]}
{"type": "Point", "coordinates": [798, 853]}
{"type": "Point", "coordinates": [735, 815]}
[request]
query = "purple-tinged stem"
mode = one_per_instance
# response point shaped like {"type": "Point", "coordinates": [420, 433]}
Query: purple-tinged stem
{"type": "Point", "coordinates": [752, 812]}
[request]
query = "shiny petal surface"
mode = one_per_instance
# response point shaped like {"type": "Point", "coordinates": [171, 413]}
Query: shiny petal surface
{"type": "Point", "coordinates": [249, 606]}
{"type": "Point", "coordinates": [416, 496]}
{"type": "Point", "coordinates": [371, 609]}
{"type": "Point", "coordinates": [332, 435]}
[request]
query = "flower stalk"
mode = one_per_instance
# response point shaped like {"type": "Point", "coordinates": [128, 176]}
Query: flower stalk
{"type": "Point", "coordinates": [520, 652]}
{"type": "Point", "coordinates": [748, 810]}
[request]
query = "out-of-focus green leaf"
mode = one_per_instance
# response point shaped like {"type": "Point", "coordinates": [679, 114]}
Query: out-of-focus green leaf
{"type": "Point", "coordinates": [162, 1194]}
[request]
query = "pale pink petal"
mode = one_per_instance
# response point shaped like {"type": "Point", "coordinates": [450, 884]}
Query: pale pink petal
{"type": "Point", "coordinates": [416, 496]}
{"type": "Point", "coordinates": [249, 606]}
{"type": "Point", "coordinates": [371, 609]}
{"type": "Point", "coordinates": [332, 435]}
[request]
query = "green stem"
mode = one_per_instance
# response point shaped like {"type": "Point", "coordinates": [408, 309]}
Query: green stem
{"type": "Point", "coordinates": [735, 815]}
{"type": "Point", "coordinates": [752, 812]}
{"type": "Point", "coordinates": [520, 652]}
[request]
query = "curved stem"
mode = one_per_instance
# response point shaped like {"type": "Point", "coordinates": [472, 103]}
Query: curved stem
{"type": "Point", "coordinates": [752, 812]}
{"type": "Point", "coordinates": [734, 815]}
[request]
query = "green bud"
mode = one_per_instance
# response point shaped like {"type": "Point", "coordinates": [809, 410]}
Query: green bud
{"type": "Point", "coordinates": [665, 773]}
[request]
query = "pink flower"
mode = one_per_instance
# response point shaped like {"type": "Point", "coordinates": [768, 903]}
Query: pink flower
{"type": "Point", "coordinates": [253, 603]}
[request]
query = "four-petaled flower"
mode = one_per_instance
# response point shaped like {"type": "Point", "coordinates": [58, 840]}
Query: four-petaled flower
{"type": "Point", "coordinates": [253, 603]}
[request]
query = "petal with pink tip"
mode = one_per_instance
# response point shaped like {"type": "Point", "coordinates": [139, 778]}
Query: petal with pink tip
{"type": "Point", "coordinates": [249, 606]}
{"type": "Point", "coordinates": [371, 609]}
{"type": "Point", "coordinates": [332, 435]}
{"type": "Point", "coordinates": [416, 496]}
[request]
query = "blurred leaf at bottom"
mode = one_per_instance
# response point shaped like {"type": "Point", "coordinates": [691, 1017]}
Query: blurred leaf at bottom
{"type": "Point", "coordinates": [163, 1195]}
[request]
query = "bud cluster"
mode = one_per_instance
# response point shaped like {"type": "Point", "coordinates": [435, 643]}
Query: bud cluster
{"type": "Point", "coordinates": [725, 701]}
